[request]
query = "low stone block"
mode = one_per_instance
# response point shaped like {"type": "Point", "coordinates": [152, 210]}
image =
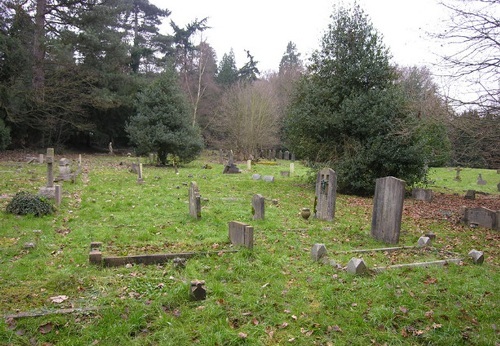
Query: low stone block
{"type": "Point", "coordinates": [424, 241]}
{"type": "Point", "coordinates": [481, 216]}
{"type": "Point", "coordinates": [318, 251]}
{"type": "Point", "coordinates": [241, 234]}
{"type": "Point", "coordinates": [268, 178]}
{"type": "Point", "coordinates": [477, 256]}
{"type": "Point", "coordinates": [95, 257]}
{"type": "Point", "coordinates": [356, 266]}
{"type": "Point", "coordinates": [470, 194]}
{"type": "Point", "coordinates": [256, 176]}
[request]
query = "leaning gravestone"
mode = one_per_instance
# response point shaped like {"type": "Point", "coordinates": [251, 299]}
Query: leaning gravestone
{"type": "Point", "coordinates": [230, 167]}
{"type": "Point", "coordinates": [258, 207]}
{"type": "Point", "coordinates": [326, 193]}
{"type": "Point", "coordinates": [388, 209]}
{"type": "Point", "coordinates": [194, 201]}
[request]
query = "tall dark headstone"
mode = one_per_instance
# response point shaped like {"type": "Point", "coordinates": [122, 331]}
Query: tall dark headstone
{"type": "Point", "coordinates": [388, 209]}
{"type": "Point", "coordinates": [326, 194]}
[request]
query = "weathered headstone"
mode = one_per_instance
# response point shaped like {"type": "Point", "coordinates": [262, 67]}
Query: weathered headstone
{"type": "Point", "coordinates": [258, 205]}
{"type": "Point", "coordinates": [64, 169]}
{"type": "Point", "coordinates": [140, 179]}
{"type": "Point", "coordinates": [110, 148]}
{"type": "Point", "coordinates": [273, 154]}
{"type": "Point", "coordinates": [470, 194]}
{"type": "Point", "coordinates": [286, 155]}
{"type": "Point", "coordinates": [477, 256]}
{"type": "Point", "coordinates": [387, 209]}
{"type": "Point", "coordinates": [424, 242]}
{"type": "Point", "coordinates": [221, 156]}
{"type": "Point", "coordinates": [280, 155]}
{"type": "Point", "coordinates": [49, 190]}
{"type": "Point", "coordinates": [40, 158]}
{"type": "Point", "coordinates": [58, 194]}
{"type": "Point", "coordinates": [326, 194]}
{"type": "Point", "coordinates": [422, 194]}
{"type": "Point", "coordinates": [480, 180]}
{"type": "Point", "coordinates": [230, 167]}
{"type": "Point", "coordinates": [292, 168]}
{"type": "Point", "coordinates": [356, 266]}
{"type": "Point", "coordinates": [197, 290]}
{"type": "Point", "coordinates": [483, 217]}
{"type": "Point", "coordinates": [249, 165]}
{"type": "Point", "coordinates": [292, 157]}
{"type": "Point", "coordinates": [194, 200]}
{"type": "Point", "coordinates": [318, 251]}
{"type": "Point", "coordinates": [268, 178]}
{"type": "Point", "coordinates": [457, 177]}
{"type": "Point", "coordinates": [241, 234]}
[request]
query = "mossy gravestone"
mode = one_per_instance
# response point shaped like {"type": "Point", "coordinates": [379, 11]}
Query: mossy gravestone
{"type": "Point", "coordinates": [326, 193]}
{"type": "Point", "coordinates": [388, 209]}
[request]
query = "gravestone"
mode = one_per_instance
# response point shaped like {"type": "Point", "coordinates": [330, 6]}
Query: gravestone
{"type": "Point", "coordinates": [140, 179]}
{"type": "Point", "coordinates": [58, 194]}
{"type": "Point", "coordinates": [221, 156]}
{"type": "Point", "coordinates": [457, 177]}
{"type": "Point", "coordinates": [388, 209]}
{"type": "Point", "coordinates": [424, 242]}
{"type": "Point", "coordinates": [292, 168]}
{"type": "Point", "coordinates": [286, 155]}
{"type": "Point", "coordinates": [356, 266]}
{"type": "Point", "coordinates": [280, 155]}
{"type": "Point", "coordinates": [194, 201]}
{"type": "Point", "coordinates": [483, 217]}
{"type": "Point", "coordinates": [241, 234]}
{"type": "Point", "coordinates": [64, 170]}
{"type": "Point", "coordinates": [110, 148]}
{"type": "Point", "coordinates": [249, 165]}
{"type": "Point", "coordinates": [326, 194]}
{"type": "Point", "coordinates": [197, 290]}
{"type": "Point", "coordinates": [318, 251]}
{"type": "Point", "coordinates": [422, 194]}
{"type": "Point", "coordinates": [258, 207]}
{"type": "Point", "coordinates": [477, 256]}
{"type": "Point", "coordinates": [256, 176]}
{"type": "Point", "coordinates": [470, 194]}
{"type": "Point", "coordinates": [49, 190]}
{"type": "Point", "coordinates": [273, 154]}
{"type": "Point", "coordinates": [40, 158]}
{"type": "Point", "coordinates": [480, 180]}
{"type": "Point", "coordinates": [268, 178]}
{"type": "Point", "coordinates": [230, 167]}
{"type": "Point", "coordinates": [292, 157]}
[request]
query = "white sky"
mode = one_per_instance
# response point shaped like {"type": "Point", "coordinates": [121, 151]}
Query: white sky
{"type": "Point", "coordinates": [265, 27]}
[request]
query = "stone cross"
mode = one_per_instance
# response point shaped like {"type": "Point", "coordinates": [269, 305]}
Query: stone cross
{"type": "Point", "coordinates": [326, 193]}
{"type": "Point", "coordinates": [258, 207]}
{"type": "Point", "coordinates": [388, 209]}
{"type": "Point", "coordinates": [194, 201]}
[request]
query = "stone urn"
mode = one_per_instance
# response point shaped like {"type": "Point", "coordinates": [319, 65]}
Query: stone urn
{"type": "Point", "coordinates": [305, 213]}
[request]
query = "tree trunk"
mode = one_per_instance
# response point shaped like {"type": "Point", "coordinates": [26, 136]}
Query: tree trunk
{"type": "Point", "coordinates": [38, 81]}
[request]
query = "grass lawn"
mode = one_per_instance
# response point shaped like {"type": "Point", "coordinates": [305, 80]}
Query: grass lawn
{"type": "Point", "coordinates": [271, 295]}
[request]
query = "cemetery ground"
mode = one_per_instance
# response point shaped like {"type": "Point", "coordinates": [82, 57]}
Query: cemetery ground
{"type": "Point", "coordinates": [273, 294]}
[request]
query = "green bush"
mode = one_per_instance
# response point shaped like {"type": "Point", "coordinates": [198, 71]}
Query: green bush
{"type": "Point", "coordinates": [25, 203]}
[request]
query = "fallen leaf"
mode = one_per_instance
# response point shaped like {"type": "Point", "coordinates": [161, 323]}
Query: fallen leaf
{"type": "Point", "coordinates": [255, 321]}
{"type": "Point", "coordinates": [46, 328]}
{"type": "Point", "coordinates": [242, 335]}
{"type": "Point", "coordinates": [403, 309]}
{"type": "Point", "coordinates": [58, 299]}
{"type": "Point", "coordinates": [284, 325]}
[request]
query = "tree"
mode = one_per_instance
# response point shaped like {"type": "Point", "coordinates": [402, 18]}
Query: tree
{"type": "Point", "coordinates": [162, 123]}
{"type": "Point", "coordinates": [348, 112]}
{"type": "Point", "coordinates": [290, 61]}
{"type": "Point", "coordinates": [249, 71]}
{"type": "Point", "coordinates": [473, 36]}
{"type": "Point", "coordinates": [227, 73]}
{"type": "Point", "coordinates": [247, 119]}
{"type": "Point", "coordinates": [432, 112]}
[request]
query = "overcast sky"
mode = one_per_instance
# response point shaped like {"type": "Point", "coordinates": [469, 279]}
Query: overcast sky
{"type": "Point", "coordinates": [264, 27]}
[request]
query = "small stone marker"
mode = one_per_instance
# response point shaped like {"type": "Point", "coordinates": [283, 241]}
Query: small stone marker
{"type": "Point", "coordinates": [424, 242]}
{"type": "Point", "coordinates": [249, 164]}
{"type": "Point", "coordinates": [280, 155]}
{"type": "Point", "coordinates": [58, 194]}
{"type": "Point", "coordinates": [422, 194]}
{"type": "Point", "coordinates": [140, 180]}
{"type": "Point", "coordinates": [480, 180]}
{"type": "Point", "coordinates": [241, 234]}
{"type": "Point", "coordinates": [40, 158]}
{"type": "Point", "coordinates": [256, 176]}
{"type": "Point", "coordinates": [292, 167]}
{"type": "Point", "coordinates": [197, 290]}
{"type": "Point", "coordinates": [318, 251]}
{"type": "Point", "coordinates": [29, 245]}
{"type": "Point", "coordinates": [477, 256]}
{"type": "Point", "coordinates": [95, 255]}
{"type": "Point", "coordinates": [110, 148]}
{"type": "Point", "coordinates": [388, 209]}
{"type": "Point", "coordinates": [470, 194]}
{"type": "Point", "coordinates": [285, 173]}
{"type": "Point", "coordinates": [326, 193]}
{"type": "Point", "coordinates": [286, 155]}
{"type": "Point", "coordinates": [356, 266]}
{"type": "Point", "coordinates": [268, 178]}
{"type": "Point", "coordinates": [221, 156]}
{"type": "Point", "coordinates": [431, 236]}
{"type": "Point", "coordinates": [258, 207]}
{"type": "Point", "coordinates": [194, 200]}
{"type": "Point", "coordinates": [457, 177]}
